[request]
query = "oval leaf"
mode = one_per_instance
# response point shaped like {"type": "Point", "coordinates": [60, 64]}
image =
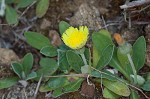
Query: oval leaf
{"type": "Point", "coordinates": [71, 87]}
{"type": "Point", "coordinates": [96, 56]}
{"type": "Point", "coordinates": [17, 68]}
{"type": "Point", "coordinates": [74, 61]}
{"type": "Point", "coordinates": [139, 49]}
{"type": "Point", "coordinates": [101, 41]}
{"type": "Point", "coordinates": [117, 65]}
{"type": "Point", "coordinates": [62, 61]}
{"type": "Point", "coordinates": [42, 8]}
{"type": "Point", "coordinates": [44, 88]}
{"type": "Point", "coordinates": [63, 26]}
{"type": "Point", "coordinates": [49, 51]}
{"type": "Point", "coordinates": [11, 15]}
{"type": "Point", "coordinates": [37, 40]}
{"type": "Point", "coordinates": [146, 86]}
{"type": "Point", "coordinates": [24, 3]}
{"type": "Point", "coordinates": [48, 67]}
{"type": "Point", "coordinates": [8, 82]}
{"type": "Point", "coordinates": [116, 87]}
{"type": "Point", "coordinates": [55, 83]}
{"type": "Point", "coordinates": [58, 92]}
{"type": "Point", "coordinates": [31, 76]}
{"type": "Point", "coordinates": [122, 53]}
{"type": "Point", "coordinates": [106, 33]}
{"type": "Point", "coordinates": [9, 1]}
{"type": "Point", "coordinates": [109, 94]}
{"type": "Point", "coordinates": [134, 95]}
{"type": "Point", "coordinates": [107, 75]}
{"type": "Point", "coordinates": [27, 63]}
{"type": "Point", "coordinates": [105, 57]}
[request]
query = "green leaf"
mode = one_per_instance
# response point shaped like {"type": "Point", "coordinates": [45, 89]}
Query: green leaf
{"type": "Point", "coordinates": [139, 49]}
{"type": "Point", "coordinates": [146, 86]}
{"type": "Point", "coordinates": [58, 92]}
{"type": "Point", "coordinates": [8, 82]}
{"type": "Point", "coordinates": [48, 67]}
{"type": "Point", "coordinates": [73, 86]}
{"type": "Point", "coordinates": [49, 51]}
{"type": "Point", "coordinates": [17, 68]}
{"type": "Point", "coordinates": [63, 26]}
{"type": "Point", "coordinates": [70, 87]}
{"type": "Point", "coordinates": [11, 15]}
{"type": "Point", "coordinates": [24, 3]}
{"type": "Point", "coordinates": [9, 1]}
{"type": "Point", "coordinates": [117, 65]}
{"type": "Point", "coordinates": [42, 8]}
{"type": "Point", "coordinates": [109, 94]}
{"type": "Point", "coordinates": [101, 41]}
{"type": "Point", "coordinates": [122, 53]}
{"type": "Point", "coordinates": [55, 83]}
{"type": "Point", "coordinates": [148, 76]}
{"type": "Point", "coordinates": [37, 40]}
{"type": "Point", "coordinates": [107, 75]}
{"type": "Point", "coordinates": [74, 61]}
{"type": "Point", "coordinates": [105, 57]}
{"type": "Point", "coordinates": [117, 87]}
{"type": "Point", "coordinates": [140, 79]}
{"type": "Point", "coordinates": [85, 69]}
{"type": "Point", "coordinates": [106, 33]}
{"type": "Point", "coordinates": [104, 49]}
{"type": "Point", "coordinates": [134, 94]}
{"type": "Point", "coordinates": [62, 61]}
{"type": "Point", "coordinates": [87, 54]}
{"type": "Point", "coordinates": [31, 76]}
{"type": "Point", "coordinates": [44, 88]}
{"type": "Point", "coordinates": [27, 63]}
{"type": "Point", "coordinates": [96, 56]}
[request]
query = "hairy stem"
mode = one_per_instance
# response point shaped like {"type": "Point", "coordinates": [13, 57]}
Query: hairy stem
{"type": "Point", "coordinates": [133, 68]}
{"type": "Point", "coordinates": [84, 59]}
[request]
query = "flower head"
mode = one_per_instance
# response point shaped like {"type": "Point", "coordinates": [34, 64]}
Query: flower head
{"type": "Point", "coordinates": [75, 38]}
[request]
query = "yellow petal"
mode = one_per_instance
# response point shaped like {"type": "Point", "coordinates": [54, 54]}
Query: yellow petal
{"type": "Point", "coordinates": [75, 38]}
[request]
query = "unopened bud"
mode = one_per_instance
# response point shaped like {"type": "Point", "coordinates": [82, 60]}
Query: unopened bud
{"type": "Point", "coordinates": [119, 39]}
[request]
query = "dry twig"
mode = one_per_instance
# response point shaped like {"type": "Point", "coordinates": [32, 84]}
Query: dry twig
{"type": "Point", "coordinates": [134, 4]}
{"type": "Point", "coordinates": [37, 88]}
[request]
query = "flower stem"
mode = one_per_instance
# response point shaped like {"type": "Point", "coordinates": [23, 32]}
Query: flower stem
{"type": "Point", "coordinates": [84, 59]}
{"type": "Point", "coordinates": [86, 68]}
{"type": "Point", "coordinates": [133, 68]}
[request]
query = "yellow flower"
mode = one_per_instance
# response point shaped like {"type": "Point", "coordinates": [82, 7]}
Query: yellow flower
{"type": "Point", "coordinates": [75, 38]}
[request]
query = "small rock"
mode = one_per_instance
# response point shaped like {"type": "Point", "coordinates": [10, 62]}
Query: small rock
{"type": "Point", "coordinates": [7, 56]}
{"type": "Point", "coordinates": [45, 24]}
{"type": "Point", "coordinates": [87, 15]}
{"type": "Point", "coordinates": [55, 38]}
{"type": "Point", "coordinates": [24, 83]}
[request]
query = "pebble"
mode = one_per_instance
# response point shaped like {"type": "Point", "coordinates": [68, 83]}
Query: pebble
{"type": "Point", "coordinates": [7, 56]}
{"type": "Point", "coordinates": [87, 15]}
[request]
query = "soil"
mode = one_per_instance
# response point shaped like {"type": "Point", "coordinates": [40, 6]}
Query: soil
{"type": "Point", "coordinates": [96, 14]}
